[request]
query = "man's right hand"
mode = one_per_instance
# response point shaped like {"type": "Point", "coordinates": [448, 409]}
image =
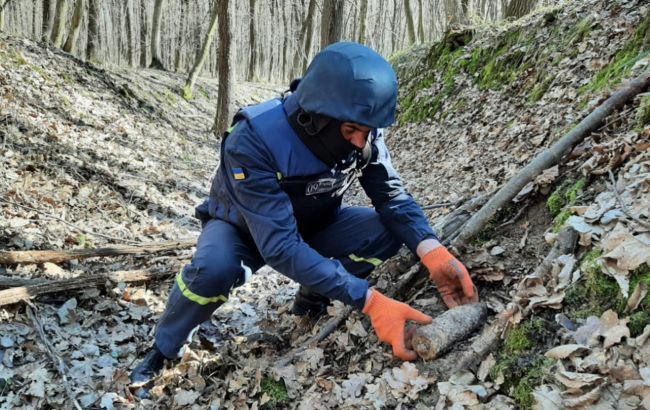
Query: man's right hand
{"type": "Point", "coordinates": [388, 318]}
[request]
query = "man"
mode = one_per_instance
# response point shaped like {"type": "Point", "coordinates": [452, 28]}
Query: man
{"type": "Point", "coordinates": [276, 200]}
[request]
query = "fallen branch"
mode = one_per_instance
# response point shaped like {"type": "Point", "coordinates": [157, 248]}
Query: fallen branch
{"type": "Point", "coordinates": [77, 227]}
{"type": "Point", "coordinates": [452, 326]}
{"type": "Point", "coordinates": [25, 293]}
{"type": "Point", "coordinates": [16, 257]}
{"type": "Point", "coordinates": [58, 362]}
{"type": "Point", "coordinates": [491, 335]}
{"type": "Point", "coordinates": [551, 156]}
{"type": "Point", "coordinates": [620, 201]}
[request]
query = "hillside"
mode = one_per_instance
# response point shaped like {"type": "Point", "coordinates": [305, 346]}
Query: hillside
{"type": "Point", "coordinates": [96, 156]}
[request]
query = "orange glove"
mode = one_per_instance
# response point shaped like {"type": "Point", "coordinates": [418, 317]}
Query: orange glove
{"type": "Point", "coordinates": [388, 317]}
{"type": "Point", "coordinates": [451, 278]}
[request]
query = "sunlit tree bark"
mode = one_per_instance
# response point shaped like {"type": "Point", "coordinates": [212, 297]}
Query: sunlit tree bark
{"type": "Point", "coordinates": [203, 54]}
{"type": "Point", "coordinates": [222, 116]}
{"type": "Point", "coordinates": [59, 23]}
{"type": "Point", "coordinates": [75, 28]}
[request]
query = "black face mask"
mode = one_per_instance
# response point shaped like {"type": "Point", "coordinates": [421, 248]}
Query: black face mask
{"type": "Point", "coordinates": [322, 135]}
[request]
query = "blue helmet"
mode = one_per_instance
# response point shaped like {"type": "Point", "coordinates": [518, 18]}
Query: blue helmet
{"type": "Point", "coordinates": [350, 82]}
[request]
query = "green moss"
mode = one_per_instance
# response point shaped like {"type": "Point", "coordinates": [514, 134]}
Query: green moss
{"type": "Point", "coordinates": [643, 112]}
{"type": "Point", "coordinates": [44, 75]}
{"type": "Point", "coordinates": [555, 202]}
{"type": "Point", "coordinates": [187, 93]}
{"type": "Point", "coordinates": [17, 57]}
{"type": "Point", "coordinates": [518, 340]}
{"type": "Point", "coordinates": [277, 391]}
{"type": "Point", "coordinates": [600, 292]}
{"type": "Point", "coordinates": [560, 220]}
{"type": "Point", "coordinates": [171, 98]}
{"type": "Point", "coordinates": [621, 64]}
{"type": "Point", "coordinates": [204, 93]}
{"type": "Point", "coordinates": [522, 368]}
{"type": "Point", "coordinates": [540, 89]}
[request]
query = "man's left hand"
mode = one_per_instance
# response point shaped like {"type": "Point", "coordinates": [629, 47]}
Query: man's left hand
{"type": "Point", "coordinates": [451, 277]}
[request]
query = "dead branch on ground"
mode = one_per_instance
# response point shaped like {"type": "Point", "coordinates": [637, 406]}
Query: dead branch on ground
{"type": "Point", "coordinates": [17, 257]}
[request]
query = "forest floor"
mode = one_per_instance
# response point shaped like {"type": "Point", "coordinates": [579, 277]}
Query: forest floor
{"type": "Point", "coordinates": [95, 156]}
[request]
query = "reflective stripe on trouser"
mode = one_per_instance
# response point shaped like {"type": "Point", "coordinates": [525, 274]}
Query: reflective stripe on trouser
{"type": "Point", "coordinates": [358, 239]}
{"type": "Point", "coordinates": [224, 259]}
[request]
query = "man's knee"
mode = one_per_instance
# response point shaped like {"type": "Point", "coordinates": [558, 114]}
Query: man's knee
{"type": "Point", "coordinates": [208, 281]}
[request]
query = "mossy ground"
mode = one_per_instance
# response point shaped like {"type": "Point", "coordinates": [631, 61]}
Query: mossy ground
{"type": "Point", "coordinates": [277, 392]}
{"type": "Point", "coordinates": [620, 67]}
{"type": "Point", "coordinates": [514, 58]}
{"type": "Point", "coordinates": [521, 363]}
{"type": "Point", "coordinates": [564, 196]}
{"type": "Point", "coordinates": [598, 292]}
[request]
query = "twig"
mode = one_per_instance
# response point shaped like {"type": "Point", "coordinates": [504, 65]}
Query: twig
{"type": "Point", "coordinates": [84, 230]}
{"type": "Point", "coordinates": [58, 362]}
{"type": "Point", "coordinates": [620, 201]}
{"type": "Point", "coordinates": [440, 205]}
{"type": "Point", "coordinates": [514, 218]}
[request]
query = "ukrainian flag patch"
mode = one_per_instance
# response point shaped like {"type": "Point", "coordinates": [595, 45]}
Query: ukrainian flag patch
{"type": "Point", "coordinates": [238, 173]}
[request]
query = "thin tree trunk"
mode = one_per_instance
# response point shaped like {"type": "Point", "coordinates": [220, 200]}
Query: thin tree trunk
{"type": "Point", "coordinates": [309, 33]}
{"type": "Point", "coordinates": [48, 21]}
{"type": "Point", "coordinates": [222, 116]}
{"type": "Point", "coordinates": [156, 60]}
{"type": "Point", "coordinates": [282, 41]}
{"type": "Point", "coordinates": [144, 62]}
{"type": "Point", "coordinates": [410, 25]}
{"type": "Point", "coordinates": [252, 61]}
{"type": "Point", "coordinates": [59, 23]}
{"type": "Point", "coordinates": [519, 8]}
{"type": "Point", "coordinates": [331, 22]}
{"type": "Point", "coordinates": [203, 54]}
{"type": "Point", "coordinates": [75, 28]}
{"type": "Point", "coordinates": [3, 4]}
{"type": "Point", "coordinates": [93, 31]}
{"type": "Point", "coordinates": [421, 22]}
{"type": "Point", "coordinates": [130, 31]}
{"type": "Point", "coordinates": [394, 28]}
{"type": "Point", "coordinates": [362, 22]}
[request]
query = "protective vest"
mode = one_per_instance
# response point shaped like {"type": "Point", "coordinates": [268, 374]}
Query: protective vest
{"type": "Point", "coordinates": [315, 190]}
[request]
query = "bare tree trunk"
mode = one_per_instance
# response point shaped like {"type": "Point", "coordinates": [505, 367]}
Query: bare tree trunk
{"type": "Point", "coordinates": [519, 8]}
{"type": "Point", "coordinates": [309, 33]}
{"type": "Point", "coordinates": [283, 40]}
{"type": "Point", "coordinates": [59, 23]}
{"type": "Point", "coordinates": [410, 25]}
{"type": "Point", "coordinates": [156, 60]}
{"type": "Point", "coordinates": [48, 21]}
{"type": "Point", "coordinates": [3, 5]}
{"type": "Point", "coordinates": [144, 62]}
{"type": "Point", "coordinates": [222, 116]}
{"type": "Point", "coordinates": [362, 21]}
{"type": "Point", "coordinates": [421, 22]}
{"type": "Point", "coordinates": [252, 61]}
{"type": "Point", "coordinates": [203, 54]}
{"type": "Point", "coordinates": [93, 31]}
{"type": "Point", "coordinates": [394, 28]}
{"type": "Point", "coordinates": [331, 22]}
{"type": "Point", "coordinates": [130, 32]}
{"type": "Point", "coordinates": [71, 43]}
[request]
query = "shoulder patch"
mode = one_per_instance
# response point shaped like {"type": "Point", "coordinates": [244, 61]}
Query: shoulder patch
{"type": "Point", "coordinates": [238, 173]}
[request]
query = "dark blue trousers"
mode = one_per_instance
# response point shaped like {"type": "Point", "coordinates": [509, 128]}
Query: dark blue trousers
{"type": "Point", "coordinates": [225, 257]}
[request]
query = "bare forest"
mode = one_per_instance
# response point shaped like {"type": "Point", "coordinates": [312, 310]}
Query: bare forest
{"type": "Point", "coordinates": [139, 269]}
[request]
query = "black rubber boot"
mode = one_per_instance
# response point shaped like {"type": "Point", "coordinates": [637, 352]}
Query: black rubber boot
{"type": "Point", "coordinates": [148, 368]}
{"type": "Point", "coordinates": [310, 304]}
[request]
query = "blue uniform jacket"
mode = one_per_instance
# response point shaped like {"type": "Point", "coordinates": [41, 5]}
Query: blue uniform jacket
{"type": "Point", "coordinates": [261, 159]}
